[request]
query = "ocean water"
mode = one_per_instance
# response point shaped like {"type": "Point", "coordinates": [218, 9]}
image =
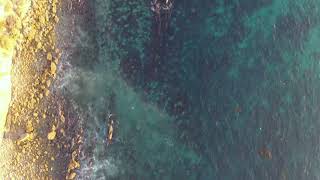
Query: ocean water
{"type": "Point", "coordinates": [212, 89]}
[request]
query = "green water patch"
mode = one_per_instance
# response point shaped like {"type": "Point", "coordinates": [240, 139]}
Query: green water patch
{"type": "Point", "coordinates": [226, 84]}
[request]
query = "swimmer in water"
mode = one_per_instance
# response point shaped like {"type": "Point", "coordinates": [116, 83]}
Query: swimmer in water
{"type": "Point", "coordinates": [162, 10]}
{"type": "Point", "coordinates": [110, 128]}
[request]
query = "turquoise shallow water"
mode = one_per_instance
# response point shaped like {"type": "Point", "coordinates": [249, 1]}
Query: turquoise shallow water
{"type": "Point", "coordinates": [203, 96]}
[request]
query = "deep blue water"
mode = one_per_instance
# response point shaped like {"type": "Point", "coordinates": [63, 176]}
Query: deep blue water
{"type": "Point", "coordinates": [220, 90]}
